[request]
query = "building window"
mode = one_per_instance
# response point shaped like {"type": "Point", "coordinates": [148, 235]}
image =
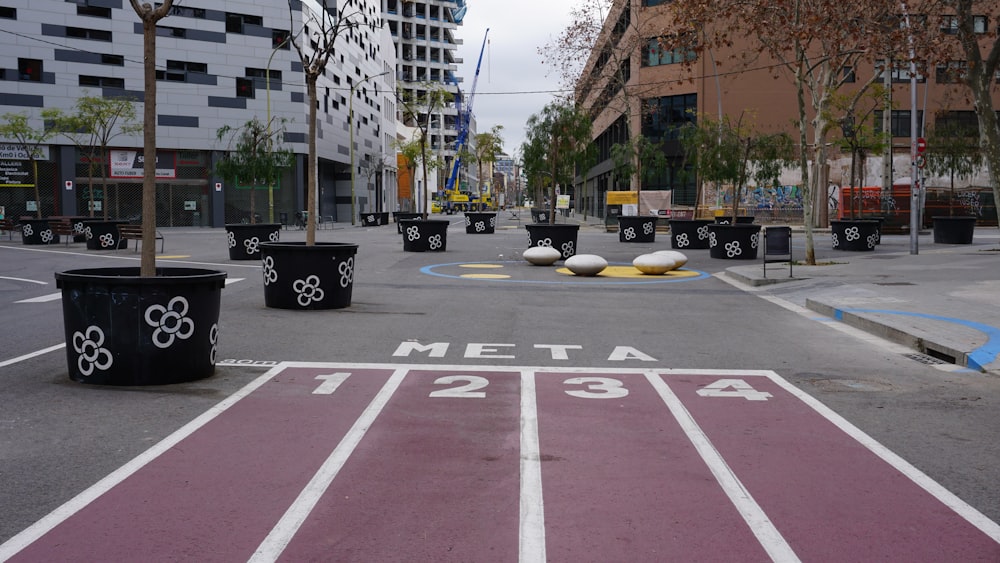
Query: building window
{"type": "Point", "coordinates": [279, 39]}
{"type": "Point", "coordinates": [966, 121]}
{"type": "Point", "coordinates": [114, 60]}
{"type": "Point", "coordinates": [262, 73]}
{"type": "Point", "coordinates": [655, 54]}
{"type": "Point", "coordinates": [92, 34]}
{"type": "Point", "coordinates": [244, 88]}
{"type": "Point", "coordinates": [29, 69]}
{"type": "Point", "coordinates": [164, 31]}
{"type": "Point", "coordinates": [849, 75]}
{"type": "Point", "coordinates": [954, 72]}
{"type": "Point", "coordinates": [663, 117]}
{"type": "Point", "coordinates": [949, 24]}
{"type": "Point", "coordinates": [102, 82]}
{"type": "Point", "coordinates": [648, 3]}
{"type": "Point", "coordinates": [899, 122]}
{"type": "Point", "coordinates": [93, 11]}
{"type": "Point", "coordinates": [900, 73]}
{"type": "Point", "coordinates": [186, 12]}
{"type": "Point", "coordinates": [8, 13]}
{"type": "Point", "coordinates": [236, 23]}
{"type": "Point", "coordinates": [187, 66]}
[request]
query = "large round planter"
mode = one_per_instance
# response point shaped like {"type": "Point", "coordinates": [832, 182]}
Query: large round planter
{"type": "Point", "coordinates": [539, 215]}
{"type": "Point", "coordinates": [636, 229]}
{"type": "Point", "coordinates": [733, 242]}
{"type": "Point", "coordinates": [689, 233]}
{"type": "Point", "coordinates": [244, 239]}
{"type": "Point", "coordinates": [374, 219]}
{"type": "Point", "coordinates": [740, 219]}
{"type": "Point", "coordinates": [399, 216]}
{"type": "Point", "coordinates": [954, 230]}
{"type": "Point", "coordinates": [858, 235]}
{"type": "Point", "coordinates": [480, 223]}
{"type": "Point", "coordinates": [103, 235]}
{"type": "Point", "coordinates": [560, 236]}
{"type": "Point", "coordinates": [297, 276]}
{"type": "Point", "coordinates": [37, 231]}
{"type": "Point", "coordinates": [123, 329]}
{"type": "Point", "coordinates": [425, 235]}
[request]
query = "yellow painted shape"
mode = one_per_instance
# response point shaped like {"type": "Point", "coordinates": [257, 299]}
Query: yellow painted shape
{"type": "Point", "coordinates": [630, 272]}
{"type": "Point", "coordinates": [173, 257]}
{"type": "Point", "coordinates": [484, 266]}
{"type": "Point", "coordinates": [485, 276]}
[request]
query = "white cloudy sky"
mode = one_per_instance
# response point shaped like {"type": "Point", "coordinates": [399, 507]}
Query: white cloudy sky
{"type": "Point", "coordinates": [512, 67]}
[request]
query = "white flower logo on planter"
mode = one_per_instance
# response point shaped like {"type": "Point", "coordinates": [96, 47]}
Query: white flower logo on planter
{"type": "Point", "coordinates": [753, 240]}
{"type": "Point", "coordinates": [346, 269]}
{"type": "Point", "coordinates": [170, 322]}
{"type": "Point", "coordinates": [852, 233]}
{"type": "Point", "coordinates": [27, 230]}
{"type": "Point", "coordinates": [88, 233]}
{"type": "Point", "coordinates": [107, 239]}
{"type": "Point", "coordinates": [270, 274]}
{"type": "Point", "coordinates": [232, 239]}
{"type": "Point", "coordinates": [872, 240]}
{"type": "Point", "coordinates": [252, 244]}
{"type": "Point", "coordinates": [493, 221]}
{"type": "Point", "coordinates": [733, 249]}
{"type": "Point", "coordinates": [712, 241]}
{"type": "Point", "coordinates": [629, 233]}
{"type": "Point", "coordinates": [413, 233]}
{"type": "Point", "coordinates": [682, 240]}
{"type": "Point", "coordinates": [545, 242]}
{"type": "Point", "coordinates": [567, 249]}
{"type": "Point", "coordinates": [78, 228]}
{"type": "Point", "coordinates": [213, 338]}
{"type": "Point", "coordinates": [480, 226]}
{"type": "Point", "coordinates": [836, 241]}
{"type": "Point", "coordinates": [273, 236]}
{"type": "Point", "coordinates": [435, 242]}
{"type": "Point", "coordinates": [468, 220]}
{"type": "Point", "coordinates": [703, 232]}
{"type": "Point", "coordinates": [92, 353]}
{"type": "Point", "coordinates": [308, 290]}
{"type": "Point", "coordinates": [46, 236]}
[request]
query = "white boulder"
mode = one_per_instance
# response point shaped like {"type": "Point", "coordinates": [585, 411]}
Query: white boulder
{"type": "Point", "coordinates": [586, 264]}
{"type": "Point", "coordinates": [678, 257]}
{"type": "Point", "coordinates": [542, 255]}
{"type": "Point", "coordinates": [654, 264]}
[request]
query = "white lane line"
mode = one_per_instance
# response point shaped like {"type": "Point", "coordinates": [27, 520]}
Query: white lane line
{"type": "Point", "coordinates": [42, 298]}
{"type": "Point", "coordinates": [276, 541]}
{"type": "Point", "coordinates": [233, 280]}
{"type": "Point", "coordinates": [13, 361]}
{"type": "Point", "coordinates": [24, 280]}
{"type": "Point", "coordinates": [77, 503]}
{"type": "Point", "coordinates": [948, 498]}
{"type": "Point", "coordinates": [531, 536]}
{"type": "Point", "coordinates": [761, 526]}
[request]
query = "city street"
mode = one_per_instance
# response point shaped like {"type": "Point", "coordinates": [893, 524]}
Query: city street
{"type": "Point", "coordinates": [471, 406]}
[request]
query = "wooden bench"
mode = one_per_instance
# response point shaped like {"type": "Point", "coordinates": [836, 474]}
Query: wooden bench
{"type": "Point", "coordinates": [63, 227]}
{"type": "Point", "coordinates": [10, 226]}
{"type": "Point", "coordinates": [134, 232]}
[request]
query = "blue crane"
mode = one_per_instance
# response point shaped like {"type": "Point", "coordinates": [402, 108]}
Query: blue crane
{"type": "Point", "coordinates": [464, 117]}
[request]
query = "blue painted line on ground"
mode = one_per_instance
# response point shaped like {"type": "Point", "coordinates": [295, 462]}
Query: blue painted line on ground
{"type": "Point", "coordinates": [977, 358]}
{"type": "Point", "coordinates": [429, 270]}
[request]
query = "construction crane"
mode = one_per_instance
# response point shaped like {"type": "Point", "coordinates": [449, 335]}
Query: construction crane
{"type": "Point", "coordinates": [464, 118]}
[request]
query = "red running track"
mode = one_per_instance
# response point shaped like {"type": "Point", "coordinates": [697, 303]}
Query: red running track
{"type": "Point", "coordinates": [334, 462]}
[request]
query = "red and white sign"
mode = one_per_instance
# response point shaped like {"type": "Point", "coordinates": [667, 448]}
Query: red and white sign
{"type": "Point", "coordinates": [129, 164]}
{"type": "Point", "coordinates": [69, 185]}
{"type": "Point", "coordinates": [921, 144]}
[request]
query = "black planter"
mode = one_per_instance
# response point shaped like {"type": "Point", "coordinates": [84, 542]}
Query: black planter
{"type": "Point", "coordinates": [399, 216]}
{"type": "Point", "coordinates": [37, 231]}
{"type": "Point", "coordinates": [425, 235]}
{"type": "Point", "coordinates": [957, 229]}
{"type": "Point", "coordinates": [740, 219]}
{"type": "Point", "coordinates": [303, 277]}
{"type": "Point", "coordinates": [244, 239]}
{"type": "Point", "coordinates": [858, 235]}
{"type": "Point", "coordinates": [733, 242]}
{"type": "Point", "coordinates": [539, 215]}
{"type": "Point", "coordinates": [689, 233]}
{"type": "Point", "coordinates": [636, 229]}
{"type": "Point", "coordinates": [103, 235]}
{"type": "Point", "coordinates": [374, 219]}
{"type": "Point", "coordinates": [560, 236]}
{"type": "Point", "coordinates": [122, 329]}
{"type": "Point", "coordinates": [480, 223]}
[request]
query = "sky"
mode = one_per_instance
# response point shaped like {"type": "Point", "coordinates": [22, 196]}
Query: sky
{"type": "Point", "coordinates": [513, 81]}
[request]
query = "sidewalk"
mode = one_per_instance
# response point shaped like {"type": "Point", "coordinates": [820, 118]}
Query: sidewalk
{"type": "Point", "coordinates": [943, 302]}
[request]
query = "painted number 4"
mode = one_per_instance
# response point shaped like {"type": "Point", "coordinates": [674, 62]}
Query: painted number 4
{"type": "Point", "coordinates": [733, 388]}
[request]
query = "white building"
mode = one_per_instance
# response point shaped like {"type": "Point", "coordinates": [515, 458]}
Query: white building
{"type": "Point", "coordinates": [213, 62]}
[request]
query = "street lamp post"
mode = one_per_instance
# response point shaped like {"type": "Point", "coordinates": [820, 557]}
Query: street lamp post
{"type": "Point", "coordinates": [350, 122]}
{"type": "Point", "coordinates": [914, 170]}
{"type": "Point", "coordinates": [267, 86]}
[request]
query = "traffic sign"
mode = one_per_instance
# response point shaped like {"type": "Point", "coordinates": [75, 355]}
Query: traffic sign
{"type": "Point", "coordinates": [921, 144]}
{"type": "Point", "coordinates": [921, 161]}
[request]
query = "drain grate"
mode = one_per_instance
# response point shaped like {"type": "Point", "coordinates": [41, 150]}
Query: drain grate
{"type": "Point", "coordinates": [925, 359]}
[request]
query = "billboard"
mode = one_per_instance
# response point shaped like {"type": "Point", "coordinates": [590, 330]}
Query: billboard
{"type": "Point", "coordinates": [129, 164]}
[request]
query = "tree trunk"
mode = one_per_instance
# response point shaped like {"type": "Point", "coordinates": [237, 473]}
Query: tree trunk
{"type": "Point", "coordinates": [313, 163]}
{"type": "Point", "coordinates": [147, 267]}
